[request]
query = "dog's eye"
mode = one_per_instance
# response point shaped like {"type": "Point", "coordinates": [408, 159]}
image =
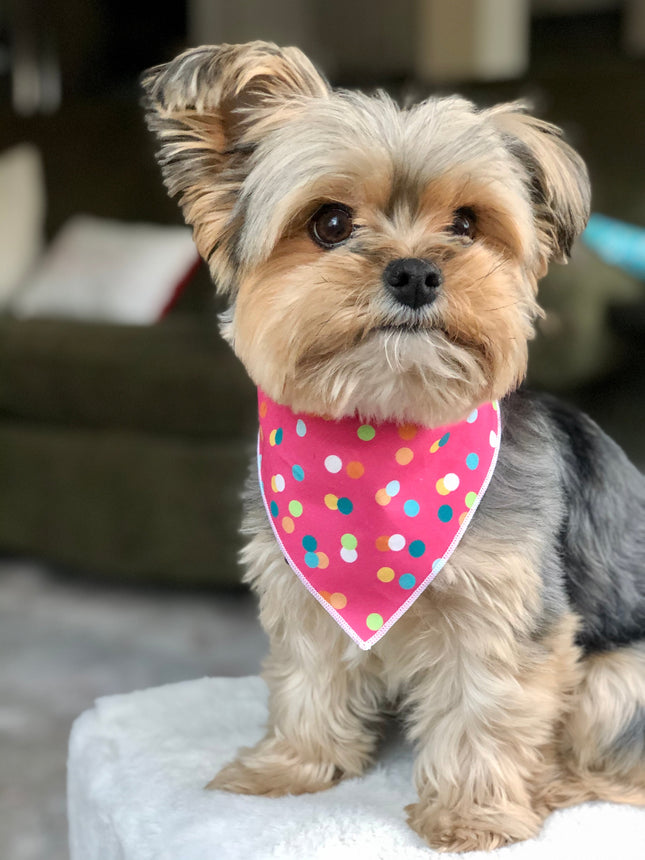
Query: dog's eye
{"type": "Point", "coordinates": [463, 223]}
{"type": "Point", "coordinates": [331, 225]}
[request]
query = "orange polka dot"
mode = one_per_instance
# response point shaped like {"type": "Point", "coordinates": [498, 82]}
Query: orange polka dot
{"type": "Point", "coordinates": [355, 469]}
{"type": "Point", "coordinates": [288, 525]}
{"type": "Point", "coordinates": [331, 501]}
{"type": "Point", "coordinates": [263, 409]}
{"type": "Point", "coordinates": [385, 574]}
{"type": "Point", "coordinates": [261, 435]}
{"type": "Point", "coordinates": [323, 560]}
{"type": "Point", "coordinates": [382, 497]}
{"type": "Point", "coordinates": [404, 456]}
{"type": "Point", "coordinates": [407, 432]}
{"type": "Point", "coordinates": [325, 595]}
{"type": "Point", "coordinates": [463, 517]}
{"type": "Point", "coordinates": [382, 543]}
{"type": "Point", "coordinates": [338, 600]}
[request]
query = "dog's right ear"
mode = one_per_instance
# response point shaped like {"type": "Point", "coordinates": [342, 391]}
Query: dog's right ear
{"type": "Point", "coordinates": [209, 107]}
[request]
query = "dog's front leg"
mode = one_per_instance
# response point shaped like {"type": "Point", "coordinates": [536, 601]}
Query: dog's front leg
{"type": "Point", "coordinates": [323, 700]}
{"type": "Point", "coordinates": [484, 727]}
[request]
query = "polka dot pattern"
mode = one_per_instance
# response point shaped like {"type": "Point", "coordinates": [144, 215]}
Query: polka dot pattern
{"type": "Point", "coordinates": [367, 513]}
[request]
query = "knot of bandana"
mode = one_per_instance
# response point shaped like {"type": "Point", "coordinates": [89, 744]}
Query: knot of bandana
{"type": "Point", "coordinates": [368, 514]}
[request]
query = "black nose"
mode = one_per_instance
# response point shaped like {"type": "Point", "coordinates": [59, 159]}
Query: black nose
{"type": "Point", "coordinates": [412, 281]}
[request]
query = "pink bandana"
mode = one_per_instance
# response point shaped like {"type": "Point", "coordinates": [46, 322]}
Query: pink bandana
{"type": "Point", "coordinates": [367, 515]}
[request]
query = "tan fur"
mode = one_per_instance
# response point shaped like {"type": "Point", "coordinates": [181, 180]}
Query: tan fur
{"type": "Point", "coordinates": [509, 721]}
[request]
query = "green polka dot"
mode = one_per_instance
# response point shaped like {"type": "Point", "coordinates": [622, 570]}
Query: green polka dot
{"type": "Point", "coordinates": [366, 432]}
{"type": "Point", "coordinates": [348, 541]}
{"type": "Point", "coordinates": [374, 621]}
{"type": "Point", "coordinates": [471, 498]}
{"type": "Point", "coordinates": [295, 508]}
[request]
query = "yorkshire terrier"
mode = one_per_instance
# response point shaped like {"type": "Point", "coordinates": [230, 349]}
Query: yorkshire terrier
{"type": "Point", "coordinates": [465, 552]}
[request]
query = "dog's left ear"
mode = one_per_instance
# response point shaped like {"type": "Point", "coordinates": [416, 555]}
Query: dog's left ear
{"type": "Point", "coordinates": [557, 177]}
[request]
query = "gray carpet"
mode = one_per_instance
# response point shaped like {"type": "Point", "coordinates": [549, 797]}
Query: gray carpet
{"type": "Point", "coordinates": [63, 644]}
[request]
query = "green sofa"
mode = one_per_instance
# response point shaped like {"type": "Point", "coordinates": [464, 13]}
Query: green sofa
{"type": "Point", "coordinates": [123, 449]}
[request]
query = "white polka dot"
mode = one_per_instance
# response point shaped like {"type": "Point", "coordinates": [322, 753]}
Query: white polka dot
{"type": "Point", "coordinates": [472, 417]}
{"type": "Point", "coordinates": [396, 542]}
{"type": "Point", "coordinates": [301, 428]}
{"type": "Point", "coordinates": [333, 464]}
{"type": "Point", "coordinates": [493, 439]}
{"type": "Point", "coordinates": [451, 481]}
{"type": "Point", "coordinates": [392, 489]}
{"type": "Point", "coordinates": [279, 483]}
{"type": "Point", "coordinates": [348, 555]}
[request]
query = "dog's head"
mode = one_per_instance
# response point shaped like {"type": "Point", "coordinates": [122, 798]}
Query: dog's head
{"type": "Point", "coordinates": [377, 260]}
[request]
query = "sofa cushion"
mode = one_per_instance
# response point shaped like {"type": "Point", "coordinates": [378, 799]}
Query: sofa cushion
{"type": "Point", "coordinates": [177, 378]}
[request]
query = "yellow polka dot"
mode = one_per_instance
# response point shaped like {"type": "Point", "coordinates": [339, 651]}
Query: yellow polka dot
{"type": "Point", "coordinates": [288, 525]}
{"type": "Point", "coordinates": [272, 437]}
{"type": "Point", "coordinates": [263, 409]}
{"type": "Point", "coordinates": [382, 497]}
{"type": "Point", "coordinates": [323, 560]}
{"type": "Point", "coordinates": [331, 501]}
{"type": "Point", "coordinates": [434, 447]}
{"type": "Point", "coordinates": [355, 469]}
{"type": "Point", "coordinates": [385, 574]}
{"type": "Point", "coordinates": [382, 543]}
{"type": "Point", "coordinates": [404, 456]}
{"type": "Point", "coordinates": [338, 600]}
{"type": "Point", "coordinates": [407, 432]}
{"type": "Point", "coordinates": [441, 488]}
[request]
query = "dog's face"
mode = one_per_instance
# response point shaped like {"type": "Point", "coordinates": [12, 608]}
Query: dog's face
{"type": "Point", "coordinates": [377, 260]}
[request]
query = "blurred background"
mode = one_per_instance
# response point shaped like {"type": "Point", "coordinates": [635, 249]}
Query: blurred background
{"type": "Point", "coordinates": [125, 424]}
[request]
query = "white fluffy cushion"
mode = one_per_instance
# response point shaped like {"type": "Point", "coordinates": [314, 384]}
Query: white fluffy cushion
{"type": "Point", "coordinates": [22, 216]}
{"type": "Point", "coordinates": [138, 764]}
{"type": "Point", "coordinates": [102, 270]}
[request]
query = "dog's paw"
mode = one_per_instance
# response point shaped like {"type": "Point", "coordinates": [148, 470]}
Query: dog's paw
{"type": "Point", "coordinates": [274, 770]}
{"type": "Point", "coordinates": [485, 830]}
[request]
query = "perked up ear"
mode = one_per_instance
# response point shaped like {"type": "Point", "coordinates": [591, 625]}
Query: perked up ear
{"type": "Point", "coordinates": [209, 107]}
{"type": "Point", "coordinates": [557, 176]}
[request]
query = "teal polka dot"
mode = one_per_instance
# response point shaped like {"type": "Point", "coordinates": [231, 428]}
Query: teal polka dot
{"type": "Point", "coordinates": [279, 435]}
{"type": "Point", "coordinates": [407, 581]}
{"type": "Point", "coordinates": [275, 510]}
{"type": "Point", "coordinates": [417, 548]}
{"type": "Point", "coordinates": [309, 543]}
{"type": "Point", "coordinates": [472, 461]}
{"type": "Point", "coordinates": [444, 439]}
{"type": "Point", "coordinates": [298, 473]}
{"type": "Point", "coordinates": [311, 559]}
{"type": "Point", "coordinates": [411, 508]}
{"type": "Point", "coordinates": [301, 428]}
{"type": "Point", "coordinates": [445, 513]}
{"type": "Point", "coordinates": [345, 506]}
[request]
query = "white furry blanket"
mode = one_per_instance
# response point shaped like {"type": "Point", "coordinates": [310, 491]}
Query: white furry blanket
{"type": "Point", "coordinates": [138, 764]}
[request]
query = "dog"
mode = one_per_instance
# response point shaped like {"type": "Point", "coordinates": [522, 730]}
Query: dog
{"type": "Point", "coordinates": [381, 268]}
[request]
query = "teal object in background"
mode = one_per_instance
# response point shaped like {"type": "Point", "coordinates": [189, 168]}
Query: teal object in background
{"type": "Point", "coordinates": [617, 243]}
